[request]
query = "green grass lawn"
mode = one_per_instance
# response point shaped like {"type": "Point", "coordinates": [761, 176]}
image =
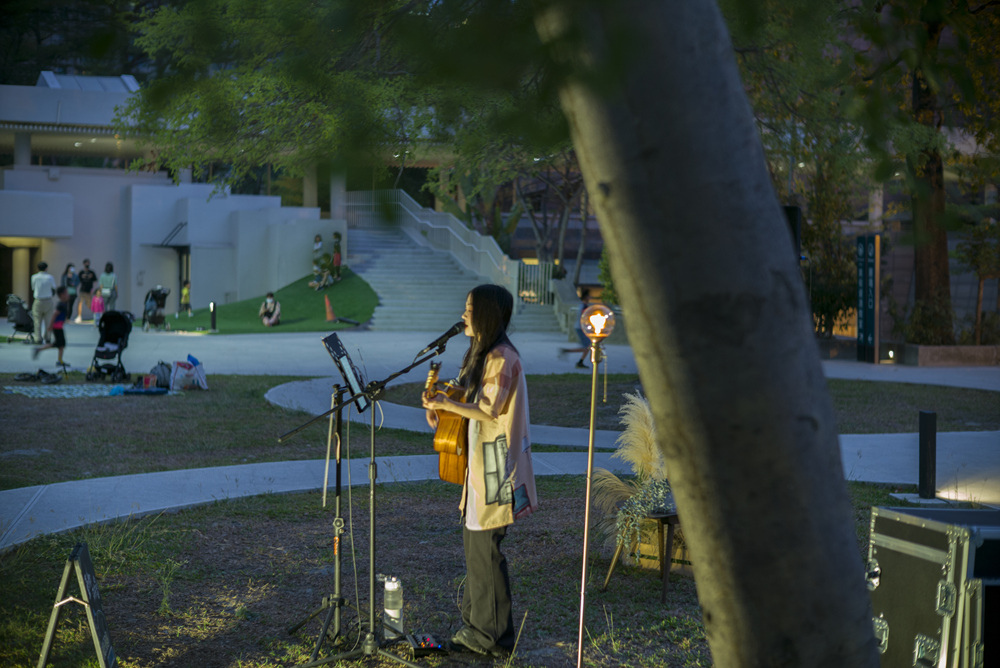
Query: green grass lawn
{"type": "Point", "coordinates": [861, 407]}
{"type": "Point", "coordinates": [303, 309]}
{"type": "Point", "coordinates": [218, 585]}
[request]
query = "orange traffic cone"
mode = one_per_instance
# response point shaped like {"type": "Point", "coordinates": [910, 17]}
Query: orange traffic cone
{"type": "Point", "coordinates": [330, 317]}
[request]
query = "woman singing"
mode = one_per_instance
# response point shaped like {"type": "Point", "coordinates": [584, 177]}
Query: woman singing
{"type": "Point", "coordinates": [499, 483]}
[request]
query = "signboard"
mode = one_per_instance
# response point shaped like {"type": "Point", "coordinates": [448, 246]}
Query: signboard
{"type": "Point", "coordinates": [79, 561]}
{"type": "Point", "coordinates": [869, 254]}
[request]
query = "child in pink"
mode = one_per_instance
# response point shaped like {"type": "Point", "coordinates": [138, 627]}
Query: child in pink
{"type": "Point", "coordinates": [97, 307]}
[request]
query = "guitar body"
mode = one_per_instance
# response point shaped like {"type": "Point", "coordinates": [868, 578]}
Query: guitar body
{"type": "Point", "coordinates": [451, 438]}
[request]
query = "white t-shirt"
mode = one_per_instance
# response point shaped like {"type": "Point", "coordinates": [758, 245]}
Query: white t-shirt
{"type": "Point", "coordinates": [43, 286]}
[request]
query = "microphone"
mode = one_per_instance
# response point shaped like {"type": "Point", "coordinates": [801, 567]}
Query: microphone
{"type": "Point", "coordinates": [456, 329]}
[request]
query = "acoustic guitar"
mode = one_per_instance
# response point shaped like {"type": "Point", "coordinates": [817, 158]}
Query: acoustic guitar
{"type": "Point", "coordinates": [451, 438]}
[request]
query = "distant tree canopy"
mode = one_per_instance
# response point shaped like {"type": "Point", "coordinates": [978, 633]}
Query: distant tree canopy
{"type": "Point", "coordinates": [924, 67]}
{"type": "Point", "coordinates": [864, 93]}
{"type": "Point", "coordinates": [91, 37]}
{"type": "Point", "coordinates": [850, 93]}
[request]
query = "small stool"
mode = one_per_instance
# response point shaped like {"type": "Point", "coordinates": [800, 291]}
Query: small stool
{"type": "Point", "coordinates": [671, 521]}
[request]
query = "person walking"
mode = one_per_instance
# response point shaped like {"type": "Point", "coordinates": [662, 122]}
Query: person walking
{"type": "Point", "coordinates": [70, 280]}
{"type": "Point", "coordinates": [58, 323]}
{"type": "Point", "coordinates": [185, 303]}
{"type": "Point", "coordinates": [109, 287]}
{"type": "Point", "coordinates": [499, 481]}
{"type": "Point", "coordinates": [43, 292]}
{"type": "Point", "coordinates": [87, 279]}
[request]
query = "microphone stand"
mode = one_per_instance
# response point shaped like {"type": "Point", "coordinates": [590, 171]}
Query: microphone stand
{"type": "Point", "coordinates": [371, 645]}
{"type": "Point", "coordinates": [334, 601]}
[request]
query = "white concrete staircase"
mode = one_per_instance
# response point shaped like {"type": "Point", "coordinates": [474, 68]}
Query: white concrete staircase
{"type": "Point", "coordinates": [420, 288]}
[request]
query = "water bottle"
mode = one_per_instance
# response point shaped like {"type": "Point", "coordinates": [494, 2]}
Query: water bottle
{"type": "Point", "coordinates": [393, 602]}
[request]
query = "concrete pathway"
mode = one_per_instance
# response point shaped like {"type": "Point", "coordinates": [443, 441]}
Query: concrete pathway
{"type": "Point", "coordinates": [968, 462]}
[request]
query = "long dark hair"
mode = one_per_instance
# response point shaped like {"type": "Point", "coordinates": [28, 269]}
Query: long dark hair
{"type": "Point", "coordinates": [492, 306]}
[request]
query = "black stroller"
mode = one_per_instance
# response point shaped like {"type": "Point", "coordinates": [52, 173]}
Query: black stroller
{"type": "Point", "coordinates": [115, 326]}
{"type": "Point", "coordinates": [19, 316]}
{"type": "Point", "coordinates": [152, 310]}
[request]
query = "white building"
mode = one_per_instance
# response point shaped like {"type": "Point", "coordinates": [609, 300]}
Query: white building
{"type": "Point", "coordinates": [231, 247]}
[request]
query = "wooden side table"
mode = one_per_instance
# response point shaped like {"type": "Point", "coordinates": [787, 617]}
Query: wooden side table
{"type": "Point", "coordinates": [671, 522]}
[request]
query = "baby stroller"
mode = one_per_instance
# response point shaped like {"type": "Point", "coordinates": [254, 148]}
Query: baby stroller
{"type": "Point", "coordinates": [153, 305]}
{"type": "Point", "coordinates": [115, 326]}
{"type": "Point", "coordinates": [19, 316]}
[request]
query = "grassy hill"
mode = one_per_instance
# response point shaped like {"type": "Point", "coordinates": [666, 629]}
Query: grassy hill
{"type": "Point", "coordinates": [303, 309]}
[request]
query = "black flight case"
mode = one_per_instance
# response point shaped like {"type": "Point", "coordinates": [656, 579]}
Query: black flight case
{"type": "Point", "coordinates": [934, 578]}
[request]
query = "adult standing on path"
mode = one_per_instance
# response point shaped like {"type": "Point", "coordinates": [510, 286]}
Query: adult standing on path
{"type": "Point", "coordinates": [109, 287]}
{"type": "Point", "coordinates": [69, 280]}
{"type": "Point", "coordinates": [43, 292]}
{"type": "Point", "coordinates": [499, 481]}
{"type": "Point", "coordinates": [87, 280]}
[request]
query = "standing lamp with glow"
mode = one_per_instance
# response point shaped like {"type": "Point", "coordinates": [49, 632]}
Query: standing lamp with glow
{"type": "Point", "coordinates": [597, 322]}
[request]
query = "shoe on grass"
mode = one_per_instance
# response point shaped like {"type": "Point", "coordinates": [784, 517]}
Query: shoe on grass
{"type": "Point", "coordinates": [467, 638]}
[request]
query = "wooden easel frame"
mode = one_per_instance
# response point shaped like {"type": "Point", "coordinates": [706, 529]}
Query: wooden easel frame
{"type": "Point", "coordinates": [79, 560]}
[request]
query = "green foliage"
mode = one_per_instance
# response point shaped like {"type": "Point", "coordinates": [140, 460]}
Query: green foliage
{"type": "Point", "coordinates": [926, 67]}
{"type": "Point", "coordinates": [979, 250]}
{"type": "Point", "coordinates": [608, 294]}
{"type": "Point", "coordinates": [989, 330]}
{"type": "Point", "coordinates": [245, 83]}
{"type": "Point", "coordinates": [831, 269]}
{"type": "Point", "coordinates": [921, 324]}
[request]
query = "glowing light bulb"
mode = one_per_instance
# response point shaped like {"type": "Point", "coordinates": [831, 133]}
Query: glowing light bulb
{"type": "Point", "coordinates": [597, 322]}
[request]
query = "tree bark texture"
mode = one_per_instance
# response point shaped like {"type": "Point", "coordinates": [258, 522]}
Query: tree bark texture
{"type": "Point", "coordinates": [718, 319]}
{"type": "Point", "coordinates": [932, 277]}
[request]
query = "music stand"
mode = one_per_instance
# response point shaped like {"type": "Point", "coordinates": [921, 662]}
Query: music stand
{"type": "Point", "coordinates": [362, 398]}
{"type": "Point", "coordinates": [349, 372]}
{"type": "Point", "coordinates": [353, 380]}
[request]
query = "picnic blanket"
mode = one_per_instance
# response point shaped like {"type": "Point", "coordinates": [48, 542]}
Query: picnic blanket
{"type": "Point", "coordinates": [61, 391]}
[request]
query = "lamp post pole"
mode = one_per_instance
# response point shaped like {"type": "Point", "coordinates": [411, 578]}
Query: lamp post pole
{"type": "Point", "coordinates": [597, 322]}
{"type": "Point", "coordinates": [595, 357]}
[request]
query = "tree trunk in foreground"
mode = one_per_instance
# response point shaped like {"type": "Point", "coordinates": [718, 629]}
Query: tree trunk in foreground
{"type": "Point", "coordinates": [717, 316]}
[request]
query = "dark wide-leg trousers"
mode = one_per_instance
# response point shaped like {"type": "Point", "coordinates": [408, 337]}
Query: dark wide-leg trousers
{"type": "Point", "coordinates": [486, 604]}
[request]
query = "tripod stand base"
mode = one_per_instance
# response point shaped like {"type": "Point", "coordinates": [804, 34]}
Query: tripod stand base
{"type": "Point", "coordinates": [327, 602]}
{"type": "Point", "coordinates": [369, 647]}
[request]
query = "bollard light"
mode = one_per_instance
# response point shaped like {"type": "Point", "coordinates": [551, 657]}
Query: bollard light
{"type": "Point", "coordinates": [211, 309]}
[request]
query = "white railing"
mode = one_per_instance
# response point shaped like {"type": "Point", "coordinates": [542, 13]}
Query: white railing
{"type": "Point", "coordinates": [534, 283]}
{"type": "Point", "coordinates": [478, 253]}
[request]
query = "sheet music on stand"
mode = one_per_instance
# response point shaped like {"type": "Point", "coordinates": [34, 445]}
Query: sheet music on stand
{"type": "Point", "coordinates": [354, 379]}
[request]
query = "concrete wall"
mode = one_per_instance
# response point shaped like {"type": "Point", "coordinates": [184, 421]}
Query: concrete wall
{"type": "Point", "coordinates": [101, 230]}
{"type": "Point", "coordinates": [274, 246]}
{"type": "Point", "coordinates": [213, 276]}
{"type": "Point", "coordinates": [32, 214]}
{"type": "Point", "coordinates": [241, 246]}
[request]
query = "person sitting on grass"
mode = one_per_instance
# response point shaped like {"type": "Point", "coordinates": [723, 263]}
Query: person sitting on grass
{"type": "Point", "coordinates": [58, 323]}
{"type": "Point", "coordinates": [270, 311]}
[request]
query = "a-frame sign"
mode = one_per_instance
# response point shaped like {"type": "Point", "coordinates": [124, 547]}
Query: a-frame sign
{"type": "Point", "coordinates": [79, 560]}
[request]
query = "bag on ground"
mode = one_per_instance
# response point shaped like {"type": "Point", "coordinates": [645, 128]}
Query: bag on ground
{"type": "Point", "coordinates": [162, 371]}
{"type": "Point", "coordinates": [189, 375]}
